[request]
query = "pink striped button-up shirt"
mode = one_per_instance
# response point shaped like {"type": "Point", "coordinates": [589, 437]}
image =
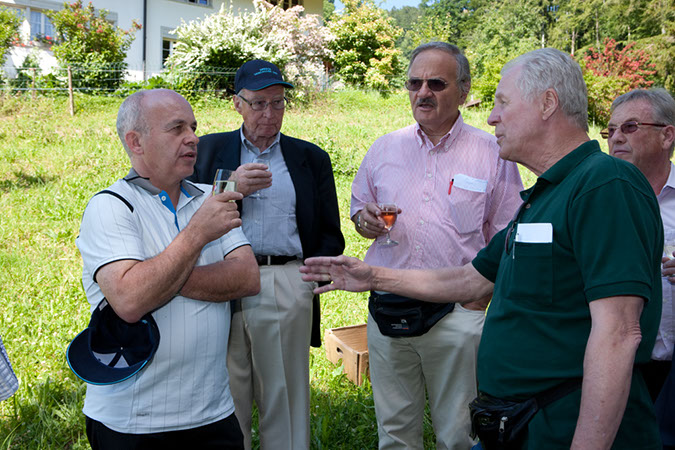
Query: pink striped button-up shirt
{"type": "Point", "coordinates": [440, 225]}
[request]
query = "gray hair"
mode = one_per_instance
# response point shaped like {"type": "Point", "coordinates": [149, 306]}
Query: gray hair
{"type": "Point", "coordinates": [463, 70]}
{"type": "Point", "coordinates": [130, 117]}
{"type": "Point", "coordinates": [661, 102]}
{"type": "Point", "coordinates": [549, 68]}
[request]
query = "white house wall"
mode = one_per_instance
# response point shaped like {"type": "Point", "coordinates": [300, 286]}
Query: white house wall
{"type": "Point", "coordinates": [162, 17]}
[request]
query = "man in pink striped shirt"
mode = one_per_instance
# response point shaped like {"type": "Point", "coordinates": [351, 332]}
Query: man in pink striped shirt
{"type": "Point", "coordinates": [453, 193]}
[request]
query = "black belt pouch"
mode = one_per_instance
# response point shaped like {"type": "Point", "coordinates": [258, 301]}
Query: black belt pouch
{"type": "Point", "coordinates": [398, 316]}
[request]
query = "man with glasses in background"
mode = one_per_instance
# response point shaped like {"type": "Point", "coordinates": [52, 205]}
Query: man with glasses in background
{"type": "Point", "coordinates": [642, 131]}
{"type": "Point", "coordinates": [454, 194]}
{"type": "Point", "coordinates": [288, 218]}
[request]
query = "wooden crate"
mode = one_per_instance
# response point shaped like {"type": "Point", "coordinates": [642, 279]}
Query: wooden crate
{"type": "Point", "coordinates": [349, 344]}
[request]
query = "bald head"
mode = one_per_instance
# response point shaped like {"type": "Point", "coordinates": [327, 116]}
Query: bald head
{"type": "Point", "coordinates": [133, 112]}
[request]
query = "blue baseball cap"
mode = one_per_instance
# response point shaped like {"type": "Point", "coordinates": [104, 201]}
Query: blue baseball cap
{"type": "Point", "coordinates": [258, 74]}
{"type": "Point", "coordinates": [111, 350]}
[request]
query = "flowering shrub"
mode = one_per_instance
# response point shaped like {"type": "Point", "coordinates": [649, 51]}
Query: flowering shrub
{"type": "Point", "coordinates": [612, 72]}
{"type": "Point", "coordinates": [44, 39]}
{"type": "Point", "coordinates": [9, 31]}
{"type": "Point", "coordinates": [627, 63]}
{"type": "Point", "coordinates": [210, 50]}
{"type": "Point", "coordinates": [88, 40]}
{"type": "Point", "coordinates": [365, 54]}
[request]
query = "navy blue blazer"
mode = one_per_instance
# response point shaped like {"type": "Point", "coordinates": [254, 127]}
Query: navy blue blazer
{"type": "Point", "coordinates": [317, 214]}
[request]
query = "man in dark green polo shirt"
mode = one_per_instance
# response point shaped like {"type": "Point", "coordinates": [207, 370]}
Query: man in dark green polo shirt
{"type": "Point", "coordinates": [576, 274]}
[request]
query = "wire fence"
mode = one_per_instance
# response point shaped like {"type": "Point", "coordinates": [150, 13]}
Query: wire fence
{"type": "Point", "coordinates": [117, 79]}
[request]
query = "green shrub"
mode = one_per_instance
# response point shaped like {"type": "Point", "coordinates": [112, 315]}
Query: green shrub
{"type": "Point", "coordinates": [364, 46]}
{"type": "Point", "coordinates": [9, 30]}
{"type": "Point", "coordinates": [27, 74]}
{"type": "Point", "coordinates": [661, 51]}
{"type": "Point", "coordinates": [602, 90]}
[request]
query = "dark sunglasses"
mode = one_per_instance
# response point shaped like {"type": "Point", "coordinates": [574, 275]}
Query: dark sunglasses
{"type": "Point", "coordinates": [415, 84]}
{"type": "Point", "coordinates": [627, 128]}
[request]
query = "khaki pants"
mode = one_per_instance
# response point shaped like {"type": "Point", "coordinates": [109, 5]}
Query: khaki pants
{"type": "Point", "coordinates": [443, 360]}
{"type": "Point", "coordinates": [268, 358]}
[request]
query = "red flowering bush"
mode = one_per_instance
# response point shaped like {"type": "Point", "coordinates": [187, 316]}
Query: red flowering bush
{"type": "Point", "coordinates": [611, 72]}
{"type": "Point", "coordinates": [626, 63]}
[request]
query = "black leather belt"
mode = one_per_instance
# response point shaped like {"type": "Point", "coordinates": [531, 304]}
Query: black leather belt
{"type": "Point", "coordinates": [274, 260]}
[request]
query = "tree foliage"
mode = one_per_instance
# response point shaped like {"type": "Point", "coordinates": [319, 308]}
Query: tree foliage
{"type": "Point", "coordinates": [86, 39]}
{"type": "Point", "coordinates": [9, 30]}
{"type": "Point", "coordinates": [407, 19]}
{"type": "Point", "coordinates": [364, 46]}
{"type": "Point", "coordinates": [509, 29]}
{"type": "Point", "coordinates": [222, 42]}
{"type": "Point", "coordinates": [494, 31]}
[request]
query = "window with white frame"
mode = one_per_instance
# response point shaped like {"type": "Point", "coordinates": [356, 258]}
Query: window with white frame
{"type": "Point", "coordinates": [286, 4]}
{"type": "Point", "coordinates": [196, 2]}
{"type": "Point", "coordinates": [40, 25]}
{"type": "Point", "coordinates": [167, 48]}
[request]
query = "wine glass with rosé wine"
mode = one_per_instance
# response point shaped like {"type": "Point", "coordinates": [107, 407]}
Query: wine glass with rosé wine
{"type": "Point", "coordinates": [388, 214]}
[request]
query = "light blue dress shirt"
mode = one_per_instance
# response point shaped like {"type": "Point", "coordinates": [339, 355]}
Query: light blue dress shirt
{"type": "Point", "coordinates": [269, 221]}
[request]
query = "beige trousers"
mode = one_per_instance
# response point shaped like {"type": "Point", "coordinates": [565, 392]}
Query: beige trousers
{"type": "Point", "coordinates": [268, 358]}
{"type": "Point", "coordinates": [444, 361]}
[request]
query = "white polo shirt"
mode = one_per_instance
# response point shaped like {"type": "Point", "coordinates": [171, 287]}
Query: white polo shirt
{"type": "Point", "coordinates": [187, 384]}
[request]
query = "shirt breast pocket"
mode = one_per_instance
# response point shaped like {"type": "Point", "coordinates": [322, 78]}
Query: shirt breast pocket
{"type": "Point", "coordinates": [466, 210]}
{"type": "Point", "coordinates": [532, 277]}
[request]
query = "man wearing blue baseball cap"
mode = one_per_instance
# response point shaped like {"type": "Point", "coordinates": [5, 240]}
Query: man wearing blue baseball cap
{"type": "Point", "coordinates": [289, 212]}
{"type": "Point", "coordinates": [167, 256]}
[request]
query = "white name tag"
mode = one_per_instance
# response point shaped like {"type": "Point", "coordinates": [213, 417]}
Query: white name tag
{"type": "Point", "coordinates": [534, 233]}
{"type": "Point", "coordinates": [469, 183]}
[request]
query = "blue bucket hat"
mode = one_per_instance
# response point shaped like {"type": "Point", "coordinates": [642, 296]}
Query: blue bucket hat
{"type": "Point", "coordinates": [111, 350]}
{"type": "Point", "coordinates": [258, 74]}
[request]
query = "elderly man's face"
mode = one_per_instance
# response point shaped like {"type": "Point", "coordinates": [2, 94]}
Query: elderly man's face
{"type": "Point", "coordinates": [169, 147]}
{"type": "Point", "coordinates": [515, 119]}
{"type": "Point", "coordinates": [260, 125]}
{"type": "Point", "coordinates": [435, 111]}
{"type": "Point", "coordinates": [644, 147]}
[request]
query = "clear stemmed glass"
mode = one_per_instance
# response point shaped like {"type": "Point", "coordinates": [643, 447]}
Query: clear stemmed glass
{"type": "Point", "coordinates": [258, 194]}
{"type": "Point", "coordinates": [669, 243]}
{"type": "Point", "coordinates": [388, 213]}
{"type": "Point", "coordinates": [225, 180]}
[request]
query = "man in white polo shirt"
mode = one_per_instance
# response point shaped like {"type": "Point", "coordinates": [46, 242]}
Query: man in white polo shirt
{"type": "Point", "coordinates": [155, 243]}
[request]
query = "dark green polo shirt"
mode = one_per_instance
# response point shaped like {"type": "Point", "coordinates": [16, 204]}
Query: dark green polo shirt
{"type": "Point", "coordinates": [606, 240]}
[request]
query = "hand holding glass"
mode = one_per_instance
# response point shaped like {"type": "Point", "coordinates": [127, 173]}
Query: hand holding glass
{"type": "Point", "coordinates": [224, 181]}
{"type": "Point", "coordinates": [258, 194]}
{"type": "Point", "coordinates": [388, 214]}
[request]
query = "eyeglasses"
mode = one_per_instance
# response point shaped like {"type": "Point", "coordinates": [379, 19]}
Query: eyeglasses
{"type": "Point", "coordinates": [435, 84]}
{"type": "Point", "coordinates": [627, 128]}
{"type": "Point", "coordinates": [261, 105]}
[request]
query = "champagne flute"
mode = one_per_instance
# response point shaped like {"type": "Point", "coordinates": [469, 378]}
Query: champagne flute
{"type": "Point", "coordinates": [259, 160]}
{"type": "Point", "coordinates": [388, 213]}
{"type": "Point", "coordinates": [224, 181]}
{"type": "Point", "coordinates": [669, 243]}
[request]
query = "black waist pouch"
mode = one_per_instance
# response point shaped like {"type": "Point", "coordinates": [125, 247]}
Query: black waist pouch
{"type": "Point", "coordinates": [398, 316]}
{"type": "Point", "coordinates": [502, 424]}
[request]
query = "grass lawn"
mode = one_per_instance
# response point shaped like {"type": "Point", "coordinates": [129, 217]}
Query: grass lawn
{"type": "Point", "coordinates": [51, 164]}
